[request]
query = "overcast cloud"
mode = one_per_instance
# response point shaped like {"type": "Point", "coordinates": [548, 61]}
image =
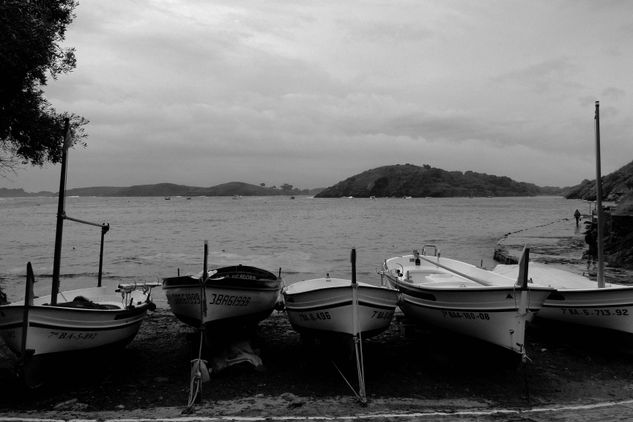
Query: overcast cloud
{"type": "Point", "coordinates": [312, 92]}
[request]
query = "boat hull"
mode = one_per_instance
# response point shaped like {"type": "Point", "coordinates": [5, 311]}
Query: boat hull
{"type": "Point", "coordinates": [237, 299]}
{"type": "Point", "coordinates": [435, 296]}
{"type": "Point", "coordinates": [608, 308]}
{"type": "Point", "coordinates": [61, 329]}
{"type": "Point", "coordinates": [578, 300]}
{"type": "Point", "coordinates": [325, 306]}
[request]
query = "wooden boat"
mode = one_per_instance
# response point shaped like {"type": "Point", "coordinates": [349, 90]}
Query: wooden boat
{"type": "Point", "coordinates": [234, 296]}
{"type": "Point", "coordinates": [465, 299]}
{"type": "Point", "coordinates": [81, 320]}
{"type": "Point", "coordinates": [71, 321]}
{"type": "Point", "coordinates": [326, 305]}
{"type": "Point", "coordinates": [579, 300]}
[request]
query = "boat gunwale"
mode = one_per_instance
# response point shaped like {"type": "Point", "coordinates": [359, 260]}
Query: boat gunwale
{"type": "Point", "coordinates": [406, 284]}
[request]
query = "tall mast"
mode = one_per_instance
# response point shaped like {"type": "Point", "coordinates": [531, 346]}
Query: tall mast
{"type": "Point", "coordinates": [61, 214]}
{"type": "Point", "coordinates": [599, 201]}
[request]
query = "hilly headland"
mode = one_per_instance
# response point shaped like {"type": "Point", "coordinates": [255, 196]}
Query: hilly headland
{"type": "Point", "coordinates": [387, 181]}
{"type": "Point", "coordinates": [425, 181]}
{"type": "Point", "coordinates": [397, 180]}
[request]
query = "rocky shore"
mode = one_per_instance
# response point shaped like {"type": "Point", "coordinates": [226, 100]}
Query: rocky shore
{"type": "Point", "coordinates": [411, 372]}
{"type": "Point", "coordinates": [560, 243]}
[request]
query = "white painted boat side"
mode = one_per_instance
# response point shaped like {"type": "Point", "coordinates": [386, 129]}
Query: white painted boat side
{"type": "Point", "coordinates": [325, 305]}
{"type": "Point", "coordinates": [55, 329]}
{"type": "Point", "coordinates": [465, 299]}
{"type": "Point", "coordinates": [579, 300]}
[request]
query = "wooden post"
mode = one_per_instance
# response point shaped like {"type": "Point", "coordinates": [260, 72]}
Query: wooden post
{"type": "Point", "coordinates": [599, 201]}
{"type": "Point", "coordinates": [357, 338]}
{"type": "Point", "coordinates": [104, 230]}
{"type": "Point", "coordinates": [60, 215]}
{"type": "Point", "coordinates": [28, 302]}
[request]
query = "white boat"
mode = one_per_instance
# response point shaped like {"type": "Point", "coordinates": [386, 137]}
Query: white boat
{"type": "Point", "coordinates": [234, 296]}
{"type": "Point", "coordinates": [324, 306]}
{"type": "Point", "coordinates": [579, 300]}
{"type": "Point", "coordinates": [465, 299]}
{"type": "Point", "coordinates": [82, 320]}
{"type": "Point", "coordinates": [65, 322]}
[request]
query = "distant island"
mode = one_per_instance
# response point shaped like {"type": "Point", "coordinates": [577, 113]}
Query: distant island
{"type": "Point", "coordinates": [399, 180]}
{"type": "Point", "coordinates": [170, 189]}
{"type": "Point", "coordinates": [403, 180]}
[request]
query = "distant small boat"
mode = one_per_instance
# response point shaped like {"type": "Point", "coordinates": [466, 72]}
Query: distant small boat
{"type": "Point", "coordinates": [234, 297]}
{"type": "Point", "coordinates": [167, 198]}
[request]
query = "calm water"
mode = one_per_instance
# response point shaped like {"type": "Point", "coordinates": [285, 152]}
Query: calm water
{"type": "Point", "coordinates": [151, 238]}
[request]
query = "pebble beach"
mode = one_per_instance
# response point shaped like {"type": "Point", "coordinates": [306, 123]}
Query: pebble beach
{"type": "Point", "coordinates": [412, 373]}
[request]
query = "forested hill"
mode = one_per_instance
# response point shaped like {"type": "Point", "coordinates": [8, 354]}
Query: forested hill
{"type": "Point", "coordinates": [614, 186]}
{"type": "Point", "coordinates": [171, 189]}
{"type": "Point", "coordinates": [409, 180]}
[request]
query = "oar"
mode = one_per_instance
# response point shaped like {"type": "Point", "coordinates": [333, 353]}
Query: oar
{"type": "Point", "coordinates": [459, 273]}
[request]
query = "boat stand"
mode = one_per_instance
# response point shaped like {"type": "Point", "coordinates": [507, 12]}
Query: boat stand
{"type": "Point", "coordinates": [361, 394]}
{"type": "Point", "coordinates": [199, 370]}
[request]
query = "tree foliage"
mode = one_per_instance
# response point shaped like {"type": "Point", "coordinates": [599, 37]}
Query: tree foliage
{"type": "Point", "coordinates": [31, 130]}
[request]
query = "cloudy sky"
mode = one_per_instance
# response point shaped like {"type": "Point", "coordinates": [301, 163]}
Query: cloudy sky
{"type": "Point", "coordinates": [308, 93]}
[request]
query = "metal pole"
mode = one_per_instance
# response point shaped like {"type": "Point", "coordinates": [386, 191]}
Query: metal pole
{"type": "Point", "coordinates": [599, 201]}
{"type": "Point", "coordinates": [104, 230]}
{"type": "Point", "coordinates": [60, 215]}
{"type": "Point", "coordinates": [28, 302]}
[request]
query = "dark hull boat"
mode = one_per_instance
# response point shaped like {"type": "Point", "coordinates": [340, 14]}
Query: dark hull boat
{"type": "Point", "coordinates": [232, 297]}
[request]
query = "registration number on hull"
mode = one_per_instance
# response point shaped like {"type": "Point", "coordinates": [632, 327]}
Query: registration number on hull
{"type": "Point", "coordinates": [618, 312]}
{"type": "Point", "coordinates": [213, 299]}
{"type": "Point", "coordinates": [484, 316]}
{"type": "Point", "coordinates": [315, 316]}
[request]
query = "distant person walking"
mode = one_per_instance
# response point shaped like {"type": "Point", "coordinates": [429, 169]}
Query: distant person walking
{"type": "Point", "coordinates": [591, 237]}
{"type": "Point", "coordinates": [577, 217]}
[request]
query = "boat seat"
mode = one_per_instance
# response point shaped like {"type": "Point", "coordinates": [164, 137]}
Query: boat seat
{"type": "Point", "coordinates": [421, 275]}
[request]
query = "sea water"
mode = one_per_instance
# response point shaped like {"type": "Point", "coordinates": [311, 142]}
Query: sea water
{"type": "Point", "coordinates": [151, 237]}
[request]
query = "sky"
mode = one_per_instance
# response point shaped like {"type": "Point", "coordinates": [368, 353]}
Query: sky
{"type": "Point", "coordinates": [309, 93]}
